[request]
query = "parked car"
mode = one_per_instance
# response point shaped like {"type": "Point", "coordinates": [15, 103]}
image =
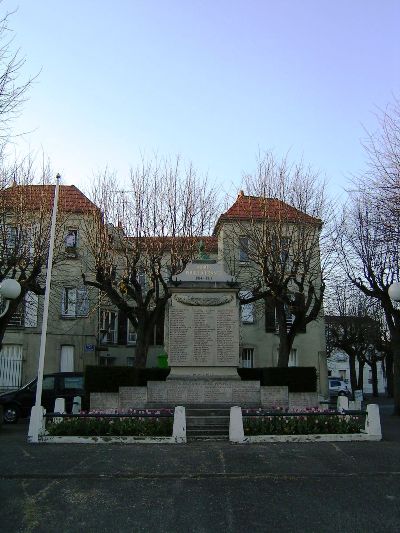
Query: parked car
{"type": "Point", "coordinates": [338, 387]}
{"type": "Point", "coordinates": [18, 403]}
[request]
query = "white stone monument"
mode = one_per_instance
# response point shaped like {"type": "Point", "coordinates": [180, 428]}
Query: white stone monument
{"type": "Point", "coordinates": [203, 341]}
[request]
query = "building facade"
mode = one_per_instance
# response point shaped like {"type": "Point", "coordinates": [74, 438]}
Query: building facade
{"type": "Point", "coordinates": [84, 328]}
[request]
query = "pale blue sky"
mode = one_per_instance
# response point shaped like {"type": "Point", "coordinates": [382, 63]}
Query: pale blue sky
{"type": "Point", "coordinates": [214, 81]}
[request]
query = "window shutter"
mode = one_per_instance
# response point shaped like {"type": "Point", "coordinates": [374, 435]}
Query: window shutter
{"type": "Point", "coordinates": [31, 310]}
{"type": "Point", "coordinates": [82, 302]}
{"type": "Point", "coordinates": [122, 328]}
{"type": "Point", "coordinates": [299, 302]}
{"type": "Point", "coordinates": [269, 314]}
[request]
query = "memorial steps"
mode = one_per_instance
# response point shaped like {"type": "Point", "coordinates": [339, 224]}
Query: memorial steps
{"type": "Point", "coordinates": [207, 423]}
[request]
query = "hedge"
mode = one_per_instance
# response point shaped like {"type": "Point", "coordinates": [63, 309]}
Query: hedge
{"type": "Point", "coordinates": [296, 378]}
{"type": "Point", "coordinates": [109, 379]}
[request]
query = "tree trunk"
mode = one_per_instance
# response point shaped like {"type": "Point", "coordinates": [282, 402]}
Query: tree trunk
{"type": "Point", "coordinates": [353, 374]}
{"type": "Point", "coordinates": [396, 372]}
{"type": "Point", "coordinates": [142, 344]}
{"type": "Point", "coordinates": [360, 381]}
{"type": "Point", "coordinates": [374, 380]}
{"type": "Point", "coordinates": [284, 344]}
{"type": "Point", "coordinates": [389, 373]}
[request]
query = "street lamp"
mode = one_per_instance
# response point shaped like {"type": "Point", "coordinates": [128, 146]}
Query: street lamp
{"type": "Point", "coordinates": [394, 291]}
{"type": "Point", "coordinates": [10, 289]}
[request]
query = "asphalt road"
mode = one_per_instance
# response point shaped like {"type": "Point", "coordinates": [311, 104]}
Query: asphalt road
{"type": "Point", "coordinates": [201, 487]}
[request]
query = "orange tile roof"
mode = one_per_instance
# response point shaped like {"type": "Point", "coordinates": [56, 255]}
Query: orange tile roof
{"type": "Point", "coordinates": [70, 199]}
{"type": "Point", "coordinates": [258, 208]}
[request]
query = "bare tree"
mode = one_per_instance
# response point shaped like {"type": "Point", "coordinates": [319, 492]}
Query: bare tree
{"type": "Point", "coordinates": [26, 200]}
{"type": "Point", "coordinates": [277, 228]}
{"type": "Point", "coordinates": [143, 236]}
{"type": "Point", "coordinates": [353, 327]}
{"type": "Point", "coordinates": [13, 92]}
{"type": "Point", "coordinates": [368, 235]}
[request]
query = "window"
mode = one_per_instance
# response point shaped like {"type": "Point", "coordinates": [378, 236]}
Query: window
{"type": "Point", "coordinates": [12, 238]}
{"type": "Point", "coordinates": [106, 360]}
{"type": "Point", "coordinates": [247, 310]}
{"type": "Point", "coordinates": [342, 374]}
{"type": "Point", "coordinates": [131, 335]}
{"type": "Point", "coordinates": [75, 302]}
{"type": "Point", "coordinates": [243, 249]}
{"type": "Point", "coordinates": [108, 327]}
{"type": "Point", "coordinates": [73, 382]}
{"type": "Point", "coordinates": [48, 383]}
{"type": "Point", "coordinates": [130, 361]}
{"type": "Point", "coordinates": [71, 239]}
{"type": "Point", "coordinates": [280, 249]}
{"type": "Point", "coordinates": [293, 357]}
{"type": "Point", "coordinates": [247, 357]}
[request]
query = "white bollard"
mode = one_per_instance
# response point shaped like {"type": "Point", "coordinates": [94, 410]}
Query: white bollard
{"type": "Point", "coordinates": [77, 405]}
{"type": "Point", "coordinates": [179, 428]}
{"type": "Point", "coordinates": [373, 420]}
{"type": "Point", "coordinates": [37, 423]}
{"type": "Point", "coordinates": [59, 406]}
{"type": "Point", "coordinates": [236, 432]}
{"type": "Point", "coordinates": [342, 403]}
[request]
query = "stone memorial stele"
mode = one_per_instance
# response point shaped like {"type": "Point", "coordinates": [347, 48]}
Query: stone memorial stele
{"type": "Point", "coordinates": [203, 340]}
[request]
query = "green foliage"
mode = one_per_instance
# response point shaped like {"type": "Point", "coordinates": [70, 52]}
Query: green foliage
{"type": "Point", "coordinates": [103, 426]}
{"type": "Point", "coordinates": [302, 425]}
{"type": "Point", "coordinates": [296, 378]}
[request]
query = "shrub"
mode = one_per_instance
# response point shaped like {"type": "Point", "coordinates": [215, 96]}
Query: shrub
{"type": "Point", "coordinates": [302, 425]}
{"type": "Point", "coordinates": [106, 426]}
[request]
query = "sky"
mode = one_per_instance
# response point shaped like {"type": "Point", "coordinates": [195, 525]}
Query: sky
{"type": "Point", "coordinates": [216, 81]}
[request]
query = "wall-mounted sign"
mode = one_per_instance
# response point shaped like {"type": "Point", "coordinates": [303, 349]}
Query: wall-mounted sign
{"type": "Point", "coordinates": [90, 347]}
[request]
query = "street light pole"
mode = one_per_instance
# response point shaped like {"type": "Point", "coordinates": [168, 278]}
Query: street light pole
{"type": "Point", "coordinates": [36, 420]}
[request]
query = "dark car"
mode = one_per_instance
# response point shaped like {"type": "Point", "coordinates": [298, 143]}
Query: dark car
{"type": "Point", "coordinates": [18, 403]}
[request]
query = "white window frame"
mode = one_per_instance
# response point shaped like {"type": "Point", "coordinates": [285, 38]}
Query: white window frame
{"type": "Point", "coordinates": [247, 357]}
{"type": "Point", "coordinates": [107, 333]}
{"type": "Point", "coordinates": [74, 302]}
{"type": "Point", "coordinates": [293, 357]}
{"type": "Point", "coordinates": [71, 246]}
{"type": "Point", "coordinates": [131, 335]}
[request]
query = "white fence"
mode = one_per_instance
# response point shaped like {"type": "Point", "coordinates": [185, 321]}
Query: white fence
{"type": "Point", "coordinates": [10, 366]}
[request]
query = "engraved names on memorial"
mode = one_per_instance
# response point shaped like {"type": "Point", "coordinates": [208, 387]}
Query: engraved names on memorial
{"type": "Point", "coordinates": [203, 335]}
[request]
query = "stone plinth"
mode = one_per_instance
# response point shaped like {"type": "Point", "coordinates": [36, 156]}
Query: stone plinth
{"type": "Point", "coordinates": [203, 391]}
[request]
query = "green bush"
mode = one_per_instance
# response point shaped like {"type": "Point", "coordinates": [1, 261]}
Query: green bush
{"type": "Point", "coordinates": [103, 426]}
{"type": "Point", "coordinates": [109, 379]}
{"type": "Point", "coordinates": [302, 425]}
{"type": "Point", "coordinates": [296, 378]}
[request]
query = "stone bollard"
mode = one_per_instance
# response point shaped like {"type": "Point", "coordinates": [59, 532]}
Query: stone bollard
{"type": "Point", "coordinates": [37, 424]}
{"type": "Point", "coordinates": [236, 432]}
{"type": "Point", "coordinates": [179, 429]}
{"type": "Point", "coordinates": [77, 405]}
{"type": "Point", "coordinates": [373, 421]}
{"type": "Point", "coordinates": [342, 403]}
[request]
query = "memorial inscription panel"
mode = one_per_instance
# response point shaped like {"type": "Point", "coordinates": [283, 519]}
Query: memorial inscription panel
{"type": "Point", "coordinates": [203, 335]}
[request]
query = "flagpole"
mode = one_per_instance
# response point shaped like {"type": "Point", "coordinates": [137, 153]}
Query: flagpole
{"type": "Point", "coordinates": [36, 421]}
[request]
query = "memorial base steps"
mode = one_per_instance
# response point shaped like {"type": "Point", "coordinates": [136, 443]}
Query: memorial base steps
{"type": "Point", "coordinates": [207, 423]}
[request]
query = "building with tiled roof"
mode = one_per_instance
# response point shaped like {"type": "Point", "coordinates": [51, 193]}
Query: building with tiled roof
{"type": "Point", "coordinates": [83, 331]}
{"type": "Point", "coordinates": [259, 208]}
{"type": "Point", "coordinates": [35, 197]}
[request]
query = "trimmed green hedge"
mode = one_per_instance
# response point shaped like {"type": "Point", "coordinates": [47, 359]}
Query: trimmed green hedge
{"type": "Point", "coordinates": [110, 378]}
{"type": "Point", "coordinates": [296, 378]}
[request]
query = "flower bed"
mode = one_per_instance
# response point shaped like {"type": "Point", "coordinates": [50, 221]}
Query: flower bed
{"type": "Point", "coordinates": [310, 422]}
{"type": "Point", "coordinates": [140, 423]}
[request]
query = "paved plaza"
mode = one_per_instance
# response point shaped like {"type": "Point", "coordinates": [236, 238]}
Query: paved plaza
{"type": "Point", "coordinates": [201, 487]}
